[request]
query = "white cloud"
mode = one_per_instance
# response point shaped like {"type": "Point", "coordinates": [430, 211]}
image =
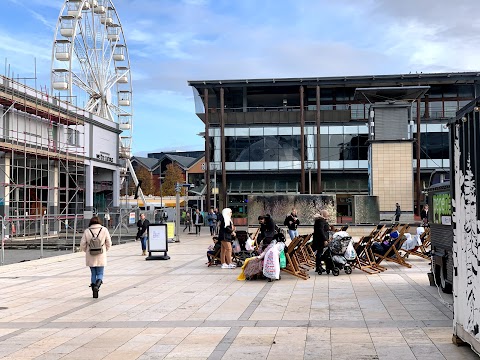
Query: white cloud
{"type": "Point", "coordinates": [173, 41]}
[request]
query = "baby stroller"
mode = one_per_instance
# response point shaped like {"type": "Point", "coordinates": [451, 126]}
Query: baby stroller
{"type": "Point", "coordinates": [333, 257]}
{"type": "Point", "coordinates": [241, 252]}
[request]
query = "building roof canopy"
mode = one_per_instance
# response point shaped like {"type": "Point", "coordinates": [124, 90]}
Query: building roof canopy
{"type": "Point", "coordinates": [335, 81]}
{"type": "Point", "coordinates": [390, 94]}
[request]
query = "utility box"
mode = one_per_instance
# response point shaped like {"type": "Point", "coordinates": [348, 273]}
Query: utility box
{"type": "Point", "coordinates": [441, 234]}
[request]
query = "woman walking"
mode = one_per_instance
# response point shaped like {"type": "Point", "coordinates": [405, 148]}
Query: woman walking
{"type": "Point", "coordinates": [142, 232]}
{"type": "Point", "coordinates": [226, 233]}
{"type": "Point", "coordinates": [96, 242]}
{"type": "Point", "coordinates": [320, 236]}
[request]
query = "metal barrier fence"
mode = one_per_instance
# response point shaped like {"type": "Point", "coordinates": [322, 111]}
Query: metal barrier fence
{"type": "Point", "coordinates": [64, 231]}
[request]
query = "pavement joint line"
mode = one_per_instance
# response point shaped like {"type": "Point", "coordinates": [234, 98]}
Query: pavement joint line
{"type": "Point", "coordinates": [434, 300]}
{"type": "Point", "coordinates": [227, 340]}
{"type": "Point", "coordinates": [46, 322]}
{"type": "Point", "coordinates": [256, 301]}
{"type": "Point", "coordinates": [225, 343]}
{"type": "Point", "coordinates": [230, 323]}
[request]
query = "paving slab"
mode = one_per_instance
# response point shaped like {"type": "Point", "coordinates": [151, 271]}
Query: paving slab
{"type": "Point", "coordinates": [182, 309]}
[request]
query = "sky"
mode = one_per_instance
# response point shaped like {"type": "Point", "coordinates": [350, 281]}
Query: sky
{"type": "Point", "coordinates": [173, 41]}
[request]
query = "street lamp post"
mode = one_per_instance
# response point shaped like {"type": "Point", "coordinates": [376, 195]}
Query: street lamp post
{"type": "Point", "coordinates": [214, 187]}
{"type": "Point", "coordinates": [161, 199]}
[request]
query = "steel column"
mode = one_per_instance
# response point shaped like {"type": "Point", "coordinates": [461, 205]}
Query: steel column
{"type": "Point", "coordinates": [417, 176]}
{"type": "Point", "coordinates": [207, 149]}
{"type": "Point", "coordinates": [317, 118]}
{"type": "Point", "coordinates": [222, 140]}
{"type": "Point", "coordinates": [302, 141]}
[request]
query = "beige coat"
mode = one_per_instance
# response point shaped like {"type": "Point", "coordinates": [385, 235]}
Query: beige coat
{"type": "Point", "coordinates": [100, 259]}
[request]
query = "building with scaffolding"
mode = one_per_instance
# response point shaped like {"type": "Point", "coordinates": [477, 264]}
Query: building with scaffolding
{"type": "Point", "coordinates": [57, 161]}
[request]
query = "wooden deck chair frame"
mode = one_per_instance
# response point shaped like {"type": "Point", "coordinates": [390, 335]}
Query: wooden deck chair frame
{"type": "Point", "coordinates": [303, 255]}
{"type": "Point", "coordinates": [421, 250]}
{"type": "Point", "coordinates": [393, 250]}
{"type": "Point", "coordinates": [214, 257]}
{"type": "Point", "coordinates": [364, 260]}
{"type": "Point", "coordinates": [293, 266]}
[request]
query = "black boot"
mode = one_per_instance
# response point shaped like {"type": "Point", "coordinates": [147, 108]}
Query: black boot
{"type": "Point", "coordinates": [94, 290]}
{"type": "Point", "coordinates": [99, 283]}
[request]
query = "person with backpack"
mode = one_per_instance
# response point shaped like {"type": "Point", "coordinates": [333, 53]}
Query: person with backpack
{"type": "Point", "coordinates": [142, 232]}
{"type": "Point", "coordinates": [96, 242]}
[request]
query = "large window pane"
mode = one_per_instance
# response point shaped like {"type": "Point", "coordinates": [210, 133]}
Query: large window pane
{"type": "Point", "coordinates": [357, 111]}
{"type": "Point", "coordinates": [436, 109]}
{"type": "Point", "coordinates": [465, 91]}
{"type": "Point", "coordinates": [450, 108]}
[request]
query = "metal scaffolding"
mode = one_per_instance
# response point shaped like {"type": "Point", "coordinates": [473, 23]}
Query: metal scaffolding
{"type": "Point", "coordinates": [42, 159]}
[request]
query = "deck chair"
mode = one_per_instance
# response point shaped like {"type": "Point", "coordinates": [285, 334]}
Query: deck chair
{"type": "Point", "coordinates": [378, 230]}
{"type": "Point", "coordinates": [215, 259]}
{"type": "Point", "coordinates": [304, 257]}
{"type": "Point", "coordinates": [421, 250]}
{"type": "Point", "coordinates": [293, 265]}
{"type": "Point", "coordinates": [364, 259]}
{"type": "Point", "coordinates": [393, 252]}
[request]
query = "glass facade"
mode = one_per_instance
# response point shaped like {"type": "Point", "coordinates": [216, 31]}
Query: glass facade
{"type": "Point", "coordinates": [262, 148]}
{"type": "Point", "coordinates": [341, 147]}
{"type": "Point", "coordinates": [275, 148]}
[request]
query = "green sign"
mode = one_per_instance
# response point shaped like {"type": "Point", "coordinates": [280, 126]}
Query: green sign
{"type": "Point", "coordinates": [442, 208]}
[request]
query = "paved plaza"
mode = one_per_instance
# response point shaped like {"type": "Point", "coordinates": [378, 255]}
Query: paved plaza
{"type": "Point", "coordinates": [184, 310]}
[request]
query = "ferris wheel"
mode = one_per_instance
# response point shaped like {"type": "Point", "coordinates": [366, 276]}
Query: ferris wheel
{"type": "Point", "coordinates": [91, 66]}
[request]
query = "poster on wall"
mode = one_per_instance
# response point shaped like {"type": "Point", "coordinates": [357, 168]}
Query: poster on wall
{"type": "Point", "coordinates": [131, 218]}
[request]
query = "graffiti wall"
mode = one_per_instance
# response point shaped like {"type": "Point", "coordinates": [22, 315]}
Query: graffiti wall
{"type": "Point", "coordinates": [466, 229]}
{"type": "Point", "coordinates": [279, 206]}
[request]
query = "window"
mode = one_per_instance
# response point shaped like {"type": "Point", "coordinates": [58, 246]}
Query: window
{"type": "Point", "coordinates": [357, 111]}
{"type": "Point", "coordinates": [73, 137]}
{"type": "Point", "coordinates": [433, 145]}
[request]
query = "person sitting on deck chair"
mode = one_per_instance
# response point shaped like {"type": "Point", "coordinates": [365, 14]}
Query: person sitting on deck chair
{"type": "Point", "coordinates": [213, 249]}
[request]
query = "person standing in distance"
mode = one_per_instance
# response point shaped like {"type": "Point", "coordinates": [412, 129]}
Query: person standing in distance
{"type": "Point", "coordinates": [212, 221]}
{"type": "Point", "coordinates": [424, 216]}
{"type": "Point", "coordinates": [96, 256]}
{"type": "Point", "coordinates": [219, 219]}
{"type": "Point", "coordinates": [398, 212]}
{"type": "Point", "coordinates": [142, 232]}
{"type": "Point", "coordinates": [188, 222]}
{"type": "Point", "coordinates": [292, 222]}
{"type": "Point", "coordinates": [198, 221]}
{"type": "Point", "coordinates": [226, 234]}
{"type": "Point", "coordinates": [107, 218]}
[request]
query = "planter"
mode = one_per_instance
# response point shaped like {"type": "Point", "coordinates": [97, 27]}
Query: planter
{"type": "Point", "coordinates": [240, 221]}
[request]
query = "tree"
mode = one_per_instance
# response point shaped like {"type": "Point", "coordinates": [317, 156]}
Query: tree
{"type": "Point", "coordinates": [145, 177]}
{"type": "Point", "coordinates": [173, 175]}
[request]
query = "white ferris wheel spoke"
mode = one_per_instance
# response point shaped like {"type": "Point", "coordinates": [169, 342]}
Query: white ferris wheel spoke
{"type": "Point", "coordinates": [95, 68]}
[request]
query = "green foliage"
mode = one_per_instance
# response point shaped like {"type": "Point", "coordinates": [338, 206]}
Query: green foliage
{"type": "Point", "coordinates": [173, 175]}
{"type": "Point", "coordinates": [147, 182]}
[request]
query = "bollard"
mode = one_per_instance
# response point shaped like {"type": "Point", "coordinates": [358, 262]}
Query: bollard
{"type": "Point", "coordinates": [41, 236]}
{"type": "Point", "coordinates": [74, 232]}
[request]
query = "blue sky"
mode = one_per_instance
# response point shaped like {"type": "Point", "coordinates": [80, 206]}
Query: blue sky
{"type": "Point", "coordinates": [172, 41]}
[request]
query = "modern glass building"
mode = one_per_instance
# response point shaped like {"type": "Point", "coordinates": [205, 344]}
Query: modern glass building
{"type": "Point", "coordinates": [310, 135]}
